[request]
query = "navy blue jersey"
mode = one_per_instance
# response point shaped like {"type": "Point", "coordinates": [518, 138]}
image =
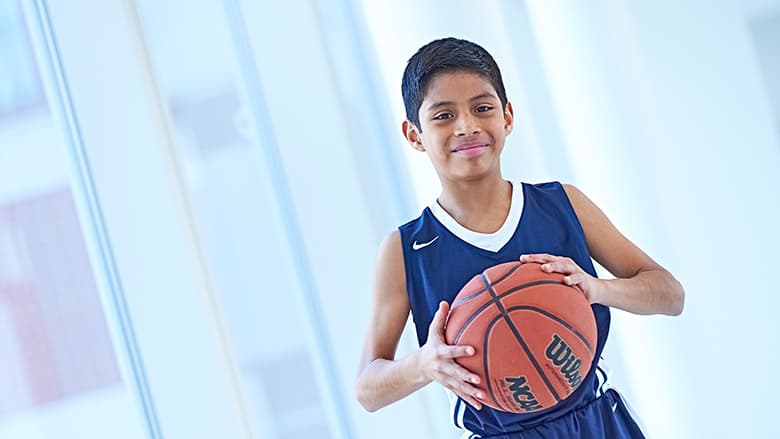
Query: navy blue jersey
{"type": "Point", "coordinates": [439, 262]}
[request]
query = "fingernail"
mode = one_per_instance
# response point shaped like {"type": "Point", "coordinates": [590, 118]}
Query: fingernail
{"type": "Point", "coordinates": [470, 351]}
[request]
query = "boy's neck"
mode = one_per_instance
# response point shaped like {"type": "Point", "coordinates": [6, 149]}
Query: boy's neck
{"type": "Point", "coordinates": [481, 206]}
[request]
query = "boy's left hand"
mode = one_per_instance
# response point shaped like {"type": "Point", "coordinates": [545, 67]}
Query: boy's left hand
{"type": "Point", "coordinates": [574, 274]}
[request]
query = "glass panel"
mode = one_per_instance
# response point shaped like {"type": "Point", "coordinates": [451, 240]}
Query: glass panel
{"type": "Point", "coordinates": [391, 53]}
{"type": "Point", "coordinates": [239, 224]}
{"type": "Point", "coordinates": [58, 372]}
{"type": "Point", "coordinates": [765, 28]}
{"type": "Point", "coordinates": [20, 87]}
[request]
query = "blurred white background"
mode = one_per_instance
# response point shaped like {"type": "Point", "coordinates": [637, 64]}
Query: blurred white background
{"type": "Point", "coordinates": [178, 181]}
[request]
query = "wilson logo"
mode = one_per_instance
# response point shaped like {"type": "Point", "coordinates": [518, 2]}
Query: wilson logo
{"type": "Point", "coordinates": [562, 357]}
{"type": "Point", "coordinates": [521, 392]}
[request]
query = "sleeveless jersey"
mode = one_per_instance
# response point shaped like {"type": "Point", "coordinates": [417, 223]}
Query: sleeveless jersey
{"type": "Point", "coordinates": [439, 262]}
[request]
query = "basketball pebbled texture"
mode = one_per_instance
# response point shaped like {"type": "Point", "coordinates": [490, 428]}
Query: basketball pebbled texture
{"type": "Point", "coordinates": [534, 336]}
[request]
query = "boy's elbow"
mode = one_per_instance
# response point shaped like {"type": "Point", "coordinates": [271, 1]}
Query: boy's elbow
{"type": "Point", "coordinates": [363, 398]}
{"type": "Point", "coordinates": [678, 299]}
{"type": "Point", "coordinates": [368, 407]}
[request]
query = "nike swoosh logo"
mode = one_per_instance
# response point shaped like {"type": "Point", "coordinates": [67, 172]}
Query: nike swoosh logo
{"type": "Point", "coordinates": [614, 407]}
{"type": "Point", "coordinates": [416, 246]}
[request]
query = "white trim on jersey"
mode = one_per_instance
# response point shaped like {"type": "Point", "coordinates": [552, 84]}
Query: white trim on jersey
{"type": "Point", "coordinates": [457, 411]}
{"type": "Point", "coordinates": [455, 405]}
{"type": "Point", "coordinates": [602, 372]}
{"type": "Point", "coordinates": [486, 241]}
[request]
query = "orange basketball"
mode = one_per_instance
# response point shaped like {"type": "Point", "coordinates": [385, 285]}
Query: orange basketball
{"type": "Point", "coordinates": [534, 336]}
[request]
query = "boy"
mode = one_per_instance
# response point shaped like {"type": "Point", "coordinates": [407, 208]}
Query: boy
{"type": "Point", "coordinates": [457, 112]}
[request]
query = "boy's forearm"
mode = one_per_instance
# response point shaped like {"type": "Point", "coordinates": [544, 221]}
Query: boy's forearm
{"type": "Point", "coordinates": [649, 292]}
{"type": "Point", "coordinates": [384, 382]}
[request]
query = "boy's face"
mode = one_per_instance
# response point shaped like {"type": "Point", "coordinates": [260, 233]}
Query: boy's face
{"type": "Point", "coordinates": [462, 126]}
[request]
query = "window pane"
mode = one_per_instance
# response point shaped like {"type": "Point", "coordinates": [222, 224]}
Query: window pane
{"type": "Point", "coordinates": [238, 221]}
{"type": "Point", "coordinates": [58, 371]}
{"type": "Point", "coordinates": [765, 29]}
{"type": "Point", "coordinates": [20, 87]}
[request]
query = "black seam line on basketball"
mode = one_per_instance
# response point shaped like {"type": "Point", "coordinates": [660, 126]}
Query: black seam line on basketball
{"type": "Point", "coordinates": [556, 318]}
{"type": "Point", "coordinates": [503, 276]}
{"type": "Point", "coordinates": [485, 360]}
{"type": "Point", "coordinates": [486, 305]}
{"type": "Point", "coordinates": [519, 338]}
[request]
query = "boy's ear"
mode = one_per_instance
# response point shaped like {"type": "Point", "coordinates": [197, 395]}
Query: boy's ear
{"type": "Point", "coordinates": [412, 135]}
{"type": "Point", "coordinates": [509, 117]}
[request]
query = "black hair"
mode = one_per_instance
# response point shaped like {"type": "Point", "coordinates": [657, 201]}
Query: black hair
{"type": "Point", "coordinates": [444, 56]}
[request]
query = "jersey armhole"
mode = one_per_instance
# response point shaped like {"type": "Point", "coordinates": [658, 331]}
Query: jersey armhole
{"type": "Point", "coordinates": [405, 255]}
{"type": "Point", "coordinates": [573, 211]}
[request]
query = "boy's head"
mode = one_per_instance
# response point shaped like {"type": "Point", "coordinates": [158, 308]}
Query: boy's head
{"type": "Point", "coordinates": [446, 55]}
{"type": "Point", "coordinates": [457, 110]}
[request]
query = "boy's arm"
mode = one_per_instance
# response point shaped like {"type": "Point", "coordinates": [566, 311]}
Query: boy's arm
{"type": "Point", "coordinates": [381, 379]}
{"type": "Point", "coordinates": [642, 286]}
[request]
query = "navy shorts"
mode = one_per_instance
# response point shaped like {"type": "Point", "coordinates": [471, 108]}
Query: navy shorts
{"type": "Point", "coordinates": [606, 417]}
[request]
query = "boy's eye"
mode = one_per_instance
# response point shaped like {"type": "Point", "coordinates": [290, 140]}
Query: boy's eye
{"type": "Point", "coordinates": [484, 108]}
{"type": "Point", "coordinates": [442, 116]}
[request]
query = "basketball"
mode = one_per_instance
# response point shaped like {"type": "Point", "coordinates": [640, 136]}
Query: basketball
{"type": "Point", "coordinates": [534, 336]}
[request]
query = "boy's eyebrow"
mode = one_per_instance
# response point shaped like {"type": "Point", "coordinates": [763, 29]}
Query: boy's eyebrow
{"type": "Point", "coordinates": [475, 98]}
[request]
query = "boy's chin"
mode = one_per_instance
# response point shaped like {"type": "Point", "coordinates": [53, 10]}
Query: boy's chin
{"type": "Point", "coordinates": [476, 173]}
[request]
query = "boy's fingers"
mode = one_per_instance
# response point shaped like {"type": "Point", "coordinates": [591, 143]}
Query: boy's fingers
{"type": "Point", "coordinates": [465, 375]}
{"type": "Point", "coordinates": [459, 351]}
{"type": "Point", "coordinates": [437, 324]}
{"type": "Point", "coordinates": [472, 402]}
{"type": "Point", "coordinates": [470, 397]}
{"type": "Point", "coordinates": [538, 257]}
{"type": "Point", "coordinates": [550, 267]}
{"type": "Point", "coordinates": [573, 279]}
{"type": "Point", "coordinates": [468, 389]}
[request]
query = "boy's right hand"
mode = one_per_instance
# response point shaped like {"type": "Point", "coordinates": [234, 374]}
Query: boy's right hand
{"type": "Point", "coordinates": [437, 361]}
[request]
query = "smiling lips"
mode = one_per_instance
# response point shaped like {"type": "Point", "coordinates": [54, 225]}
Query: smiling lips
{"type": "Point", "coordinates": [471, 149]}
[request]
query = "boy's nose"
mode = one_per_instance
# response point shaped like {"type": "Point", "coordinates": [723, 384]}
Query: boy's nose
{"type": "Point", "coordinates": [467, 126]}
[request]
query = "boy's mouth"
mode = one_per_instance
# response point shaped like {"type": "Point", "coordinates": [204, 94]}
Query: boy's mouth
{"type": "Point", "coordinates": [471, 149]}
